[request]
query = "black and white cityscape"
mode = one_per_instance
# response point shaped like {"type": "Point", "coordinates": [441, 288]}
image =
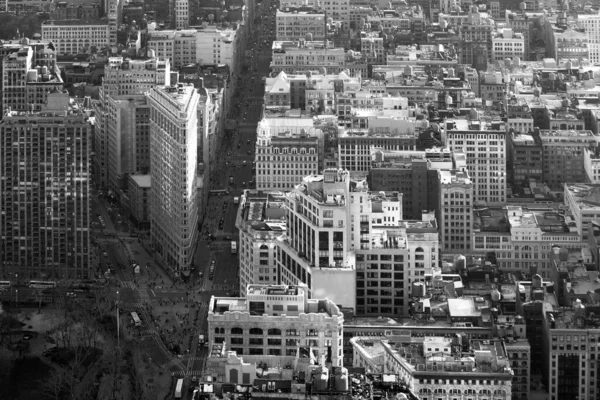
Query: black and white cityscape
{"type": "Point", "coordinates": [300, 199]}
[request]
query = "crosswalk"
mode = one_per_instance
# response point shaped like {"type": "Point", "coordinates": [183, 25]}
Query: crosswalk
{"type": "Point", "coordinates": [196, 358]}
{"type": "Point", "coordinates": [194, 372]}
{"type": "Point", "coordinates": [132, 305]}
{"type": "Point", "coordinates": [128, 284]}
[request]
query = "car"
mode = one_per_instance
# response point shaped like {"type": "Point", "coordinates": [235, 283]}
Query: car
{"type": "Point", "coordinates": [249, 152]}
{"type": "Point", "coordinates": [27, 336]}
{"type": "Point", "coordinates": [248, 141]}
{"type": "Point", "coordinates": [71, 294]}
{"type": "Point", "coordinates": [227, 237]}
{"type": "Point", "coordinates": [244, 162]}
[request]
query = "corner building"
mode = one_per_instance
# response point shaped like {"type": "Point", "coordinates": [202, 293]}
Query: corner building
{"type": "Point", "coordinates": [174, 159]}
{"type": "Point", "coordinates": [273, 321]}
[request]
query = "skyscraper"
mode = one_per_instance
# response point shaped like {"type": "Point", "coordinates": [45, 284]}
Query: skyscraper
{"type": "Point", "coordinates": [173, 163]}
{"type": "Point", "coordinates": [44, 191]}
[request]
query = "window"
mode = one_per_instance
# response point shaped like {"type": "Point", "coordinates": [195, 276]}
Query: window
{"type": "Point", "coordinates": [274, 332]}
{"type": "Point", "coordinates": [256, 331]}
{"type": "Point", "coordinates": [237, 331]}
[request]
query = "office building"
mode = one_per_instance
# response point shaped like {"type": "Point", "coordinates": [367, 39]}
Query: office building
{"type": "Point", "coordinates": [114, 14]}
{"type": "Point", "coordinates": [73, 36]}
{"type": "Point", "coordinates": [287, 150]}
{"type": "Point", "coordinates": [292, 25]}
{"type": "Point", "coordinates": [591, 25]}
{"type": "Point", "coordinates": [121, 136]}
{"type": "Point", "coordinates": [455, 201]}
{"type": "Point", "coordinates": [273, 322]}
{"type": "Point", "coordinates": [44, 191]}
{"type": "Point", "coordinates": [484, 144]}
{"type": "Point", "coordinates": [29, 74]}
{"type": "Point", "coordinates": [525, 157]}
{"type": "Point", "coordinates": [174, 160]}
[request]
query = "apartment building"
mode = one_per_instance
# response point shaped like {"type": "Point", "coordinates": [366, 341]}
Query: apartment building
{"type": "Point", "coordinates": [29, 74]}
{"type": "Point", "coordinates": [293, 24]}
{"type": "Point", "coordinates": [456, 195]}
{"type": "Point", "coordinates": [591, 165]}
{"type": "Point", "coordinates": [174, 160]}
{"type": "Point", "coordinates": [44, 191]}
{"type": "Point", "coordinates": [72, 36]}
{"type": "Point", "coordinates": [570, 44]}
{"type": "Point", "coordinates": [287, 150]}
{"type": "Point", "coordinates": [523, 24]}
{"type": "Point", "coordinates": [273, 322]}
{"type": "Point", "coordinates": [301, 56]}
{"type": "Point", "coordinates": [563, 155]}
{"type": "Point", "coordinates": [507, 44]}
{"type": "Point", "coordinates": [450, 367]}
{"type": "Point", "coordinates": [114, 14]}
{"type": "Point", "coordinates": [475, 34]}
{"type": "Point", "coordinates": [484, 144]}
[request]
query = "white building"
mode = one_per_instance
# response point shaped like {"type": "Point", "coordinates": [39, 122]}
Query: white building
{"type": "Point", "coordinates": [484, 144]}
{"type": "Point", "coordinates": [174, 159]}
{"type": "Point", "coordinates": [591, 24]}
{"type": "Point", "coordinates": [591, 164]}
{"type": "Point", "coordinates": [583, 203]}
{"type": "Point", "coordinates": [287, 150]}
{"type": "Point", "coordinates": [293, 25]}
{"type": "Point", "coordinates": [507, 44]}
{"type": "Point", "coordinates": [72, 36]}
{"type": "Point", "coordinates": [124, 76]}
{"type": "Point", "coordinates": [205, 45]}
{"type": "Point", "coordinates": [273, 322]}
{"type": "Point", "coordinates": [437, 367]}
{"type": "Point", "coordinates": [301, 56]}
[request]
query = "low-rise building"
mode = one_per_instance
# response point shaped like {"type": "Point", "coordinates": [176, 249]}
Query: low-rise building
{"type": "Point", "coordinates": [293, 57]}
{"type": "Point", "coordinates": [273, 321]}
{"type": "Point", "coordinates": [73, 36]}
{"type": "Point", "coordinates": [295, 24]}
{"type": "Point", "coordinates": [434, 367]}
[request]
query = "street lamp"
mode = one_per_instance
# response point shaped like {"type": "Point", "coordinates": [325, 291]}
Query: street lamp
{"type": "Point", "coordinates": [118, 323]}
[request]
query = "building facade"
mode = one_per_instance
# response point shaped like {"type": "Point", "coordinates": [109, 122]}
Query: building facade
{"type": "Point", "coordinates": [44, 192]}
{"type": "Point", "coordinates": [174, 161]}
{"type": "Point", "coordinates": [274, 322]}
{"type": "Point", "coordinates": [72, 36]}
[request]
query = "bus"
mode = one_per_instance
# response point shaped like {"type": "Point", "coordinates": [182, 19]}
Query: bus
{"type": "Point", "coordinates": [233, 247]}
{"type": "Point", "coordinates": [179, 389]}
{"type": "Point", "coordinates": [5, 285]}
{"type": "Point", "coordinates": [136, 319]}
{"type": "Point", "coordinates": [42, 284]}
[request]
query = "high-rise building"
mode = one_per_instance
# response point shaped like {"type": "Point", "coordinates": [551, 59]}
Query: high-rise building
{"type": "Point", "coordinates": [277, 320]}
{"type": "Point", "coordinates": [121, 137]}
{"type": "Point", "coordinates": [174, 160]}
{"type": "Point", "coordinates": [44, 191]}
{"type": "Point", "coordinates": [456, 196]}
{"type": "Point", "coordinates": [29, 74]}
{"type": "Point", "coordinates": [484, 144]}
{"type": "Point", "coordinates": [591, 24]}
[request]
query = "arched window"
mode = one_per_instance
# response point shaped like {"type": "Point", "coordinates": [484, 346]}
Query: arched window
{"type": "Point", "coordinates": [264, 247]}
{"type": "Point", "coordinates": [256, 331]}
{"type": "Point", "coordinates": [237, 331]}
{"type": "Point", "coordinates": [274, 331]}
{"type": "Point", "coordinates": [419, 250]}
{"type": "Point", "coordinates": [424, 391]}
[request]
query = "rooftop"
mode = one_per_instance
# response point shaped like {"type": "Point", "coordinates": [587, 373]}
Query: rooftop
{"type": "Point", "coordinates": [71, 22]}
{"type": "Point", "coordinates": [585, 195]}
